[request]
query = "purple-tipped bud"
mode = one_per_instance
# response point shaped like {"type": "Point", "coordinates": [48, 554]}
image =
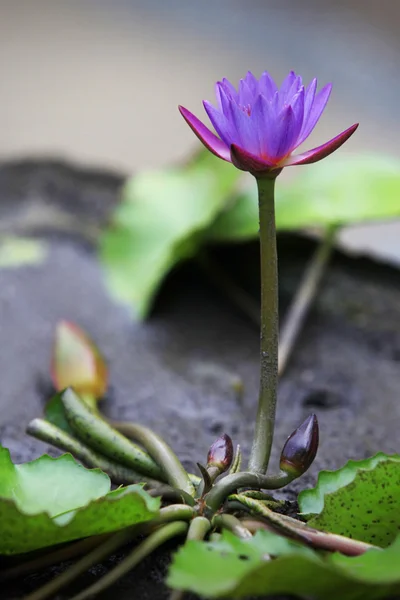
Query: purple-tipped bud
{"type": "Point", "coordinates": [76, 362]}
{"type": "Point", "coordinates": [220, 454]}
{"type": "Point", "coordinates": [301, 447]}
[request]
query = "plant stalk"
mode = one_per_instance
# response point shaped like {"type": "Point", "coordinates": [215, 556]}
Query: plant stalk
{"type": "Point", "coordinates": [92, 429]}
{"type": "Point", "coordinates": [233, 524]}
{"type": "Point", "coordinates": [265, 420]}
{"type": "Point", "coordinates": [229, 484]}
{"type": "Point", "coordinates": [53, 557]}
{"type": "Point", "coordinates": [304, 297]}
{"type": "Point", "coordinates": [51, 434]}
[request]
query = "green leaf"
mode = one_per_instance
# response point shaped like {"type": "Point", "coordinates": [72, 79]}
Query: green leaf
{"type": "Point", "coordinates": [17, 252]}
{"type": "Point", "coordinates": [233, 568]}
{"type": "Point", "coordinates": [360, 500]}
{"type": "Point", "coordinates": [161, 220]}
{"type": "Point", "coordinates": [338, 191]}
{"type": "Point", "coordinates": [53, 500]}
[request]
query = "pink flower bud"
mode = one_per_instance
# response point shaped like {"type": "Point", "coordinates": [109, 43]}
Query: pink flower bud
{"type": "Point", "coordinates": [220, 454]}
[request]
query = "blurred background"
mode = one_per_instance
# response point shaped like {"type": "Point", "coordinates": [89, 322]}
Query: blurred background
{"type": "Point", "coordinates": [98, 81]}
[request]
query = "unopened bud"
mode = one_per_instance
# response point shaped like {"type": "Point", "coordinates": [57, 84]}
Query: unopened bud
{"type": "Point", "coordinates": [76, 362]}
{"type": "Point", "coordinates": [220, 454]}
{"type": "Point", "coordinates": [301, 447]}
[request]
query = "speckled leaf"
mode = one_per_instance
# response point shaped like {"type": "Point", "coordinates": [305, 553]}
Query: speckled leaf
{"type": "Point", "coordinates": [338, 191]}
{"type": "Point", "coordinates": [53, 500]}
{"type": "Point", "coordinates": [233, 568]}
{"type": "Point", "coordinates": [360, 500]}
{"type": "Point", "coordinates": [162, 220]}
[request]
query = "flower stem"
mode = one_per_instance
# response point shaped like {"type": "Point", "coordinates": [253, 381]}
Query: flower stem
{"type": "Point", "coordinates": [304, 297]}
{"type": "Point", "coordinates": [229, 484]}
{"type": "Point", "coordinates": [156, 539]}
{"type": "Point", "coordinates": [265, 420]}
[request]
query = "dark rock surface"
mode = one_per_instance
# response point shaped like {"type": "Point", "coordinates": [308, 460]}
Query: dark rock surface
{"type": "Point", "coordinates": [175, 372]}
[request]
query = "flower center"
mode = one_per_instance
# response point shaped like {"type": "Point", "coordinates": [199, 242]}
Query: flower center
{"type": "Point", "coordinates": [246, 109]}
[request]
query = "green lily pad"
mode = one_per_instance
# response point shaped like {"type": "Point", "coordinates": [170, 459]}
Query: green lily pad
{"type": "Point", "coordinates": [233, 568]}
{"type": "Point", "coordinates": [360, 500]}
{"type": "Point", "coordinates": [162, 219]}
{"type": "Point", "coordinates": [18, 252]}
{"type": "Point", "coordinates": [52, 500]}
{"type": "Point", "coordinates": [338, 191]}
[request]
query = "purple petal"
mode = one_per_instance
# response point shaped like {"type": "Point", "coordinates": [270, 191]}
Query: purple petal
{"type": "Point", "coordinates": [287, 84]}
{"type": "Point", "coordinates": [293, 90]}
{"type": "Point", "coordinates": [252, 83]}
{"type": "Point", "coordinates": [321, 151]}
{"type": "Point", "coordinates": [217, 89]}
{"type": "Point", "coordinates": [210, 141]}
{"type": "Point", "coordinates": [245, 161]}
{"type": "Point", "coordinates": [264, 122]}
{"type": "Point", "coordinates": [246, 132]}
{"type": "Point", "coordinates": [309, 100]}
{"type": "Point", "coordinates": [316, 111]}
{"type": "Point", "coordinates": [229, 88]}
{"type": "Point", "coordinates": [246, 96]}
{"type": "Point", "coordinates": [221, 122]}
{"type": "Point", "coordinates": [267, 86]}
{"type": "Point", "coordinates": [297, 105]}
{"type": "Point", "coordinates": [285, 134]}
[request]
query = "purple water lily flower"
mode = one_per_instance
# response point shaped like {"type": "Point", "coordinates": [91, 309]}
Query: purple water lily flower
{"type": "Point", "coordinates": [259, 125]}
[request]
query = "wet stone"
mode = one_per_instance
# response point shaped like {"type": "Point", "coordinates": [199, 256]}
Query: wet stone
{"type": "Point", "coordinates": [174, 373]}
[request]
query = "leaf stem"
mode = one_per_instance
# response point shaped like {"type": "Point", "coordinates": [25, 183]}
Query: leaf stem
{"type": "Point", "coordinates": [304, 297]}
{"type": "Point", "coordinates": [98, 434]}
{"type": "Point", "coordinates": [265, 420]}
{"type": "Point", "coordinates": [229, 484]}
{"type": "Point", "coordinates": [160, 452]}
{"type": "Point", "coordinates": [156, 539]}
{"type": "Point", "coordinates": [47, 432]}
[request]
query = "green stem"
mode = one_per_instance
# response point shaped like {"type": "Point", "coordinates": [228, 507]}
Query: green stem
{"type": "Point", "coordinates": [98, 434]}
{"type": "Point", "coordinates": [156, 539]}
{"type": "Point", "coordinates": [232, 524]}
{"type": "Point", "coordinates": [92, 558]}
{"type": "Point", "coordinates": [304, 297]}
{"type": "Point", "coordinates": [198, 528]}
{"type": "Point", "coordinates": [229, 484]}
{"type": "Point", "coordinates": [51, 434]}
{"type": "Point", "coordinates": [161, 453]}
{"type": "Point", "coordinates": [265, 420]}
{"type": "Point", "coordinates": [169, 514]}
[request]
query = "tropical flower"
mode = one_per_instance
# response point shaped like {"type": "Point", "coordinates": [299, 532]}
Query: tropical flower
{"type": "Point", "coordinates": [259, 125]}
